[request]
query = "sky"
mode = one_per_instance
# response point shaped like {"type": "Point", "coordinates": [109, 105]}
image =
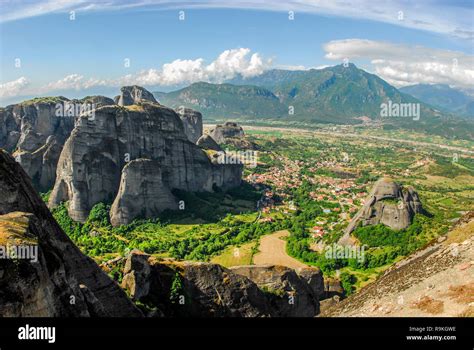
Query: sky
{"type": "Point", "coordinates": [77, 48]}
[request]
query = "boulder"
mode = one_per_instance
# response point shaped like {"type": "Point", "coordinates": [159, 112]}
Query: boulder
{"type": "Point", "coordinates": [136, 279]}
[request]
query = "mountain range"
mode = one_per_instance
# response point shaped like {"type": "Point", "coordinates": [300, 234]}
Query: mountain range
{"type": "Point", "coordinates": [342, 94]}
{"type": "Point", "coordinates": [444, 97]}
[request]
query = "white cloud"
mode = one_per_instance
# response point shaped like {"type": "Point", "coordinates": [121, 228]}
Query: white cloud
{"type": "Point", "coordinates": [430, 15]}
{"type": "Point", "coordinates": [403, 65]}
{"type": "Point", "coordinates": [226, 66]}
{"type": "Point", "coordinates": [13, 88]}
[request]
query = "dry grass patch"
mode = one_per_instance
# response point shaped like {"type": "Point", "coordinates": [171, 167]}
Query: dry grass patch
{"type": "Point", "coordinates": [429, 305]}
{"type": "Point", "coordinates": [462, 293]}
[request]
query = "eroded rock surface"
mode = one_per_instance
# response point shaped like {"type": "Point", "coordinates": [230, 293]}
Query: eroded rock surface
{"type": "Point", "coordinates": [91, 165]}
{"type": "Point", "coordinates": [192, 122]}
{"type": "Point", "coordinates": [207, 142]}
{"type": "Point", "coordinates": [291, 293]}
{"type": "Point", "coordinates": [437, 280]}
{"type": "Point", "coordinates": [35, 132]}
{"type": "Point", "coordinates": [130, 95]}
{"type": "Point", "coordinates": [62, 282]}
{"type": "Point", "coordinates": [227, 131]}
{"type": "Point", "coordinates": [389, 204]}
{"type": "Point", "coordinates": [210, 290]}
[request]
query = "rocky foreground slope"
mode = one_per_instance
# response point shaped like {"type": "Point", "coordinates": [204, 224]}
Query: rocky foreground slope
{"type": "Point", "coordinates": [435, 281]}
{"type": "Point", "coordinates": [57, 281]}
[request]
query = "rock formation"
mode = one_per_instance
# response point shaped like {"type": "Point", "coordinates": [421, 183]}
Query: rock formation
{"type": "Point", "coordinates": [130, 95]}
{"type": "Point", "coordinates": [60, 281]}
{"type": "Point", "coordinates": [36, 130]}
{"type": "Point", "coordinates": [141, 192]}
{"type": "Point", "coordinates": [192, 122]}
{"type": "Point", "coordinates": [192, 289]}
{"type": "Point", "coordinates": [291, 293]}
{"type": "Point", "coordinates": [91, 165]}
{"type": "Point", "coordinates": [228, 131]}
{"type": "Point", "coordinates": [207, 142]}
{"type": "Point", "coordinates": [389, 204]}
{"type": "Point", "coordinates": [210, 290]}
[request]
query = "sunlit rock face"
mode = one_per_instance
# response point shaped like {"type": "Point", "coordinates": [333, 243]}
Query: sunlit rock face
{"type": "Point", "coordinates": [130, 95]}
{"type": "Point", "coordinates": [91, 165]}
{"type": "Point", "coordinates": [35, 132]}
{"type": "Point", "coordinates": [192, 122]}
{"type": "Point", "coordinates": [388, 203]}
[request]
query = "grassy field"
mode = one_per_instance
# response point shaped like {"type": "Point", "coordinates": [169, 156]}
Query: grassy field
{"type": "Point", "coordinates": [236, 255]}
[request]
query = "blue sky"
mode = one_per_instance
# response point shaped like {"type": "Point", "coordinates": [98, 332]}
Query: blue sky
{"type": "Point", "coordinates": [87, 55]}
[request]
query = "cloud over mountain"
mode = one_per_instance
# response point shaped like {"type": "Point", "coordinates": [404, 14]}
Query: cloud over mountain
{"type": "Point", "coordinates": [402, 64]}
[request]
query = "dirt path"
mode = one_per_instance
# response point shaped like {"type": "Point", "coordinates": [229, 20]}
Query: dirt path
{"type": "Point", "coordinates": [272, 251]}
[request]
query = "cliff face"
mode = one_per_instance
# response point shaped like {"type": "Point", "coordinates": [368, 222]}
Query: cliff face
{"type": "Point", "coordinates": [91, 165]}
{"type": "Point", "coordinates": [33, 131]}
{"type": "Point", "coordinates": [60, 281]}
{"type": "Point", "coordinates": [389, 204]}
{"type": "Point", "coordinates": [36, 132]}
{"type": "Point", "coordinates": [141, 192]}
{"type": "Point", "coordinates": [210, 290]}
{"type": "Point", "coordinates": [292, 293]}
{"type": "Point", "coordinates": [192, 122]}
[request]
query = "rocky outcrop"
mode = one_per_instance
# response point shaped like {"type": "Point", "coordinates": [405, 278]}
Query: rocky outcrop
{"type": "Point", "coordinates": [210, 290]}
{"type": "Point", "coordinates": [291, 293]}
{"type": "Point", "coordinates": [192, 122]}
{"type": "Point", "coordinates": [228, 131]}
{"type": "Point", "coordinates": [130, 95]}
{"type": "Point", "coordinates": [36, 130]}
{"type": "Point", "coordinates": [97, 101]}
{"type": "Point", "coordinates": [91, 165]}
{"type": "Point", "coordinates": [389, 204]}
{"type": "Point", "coordinates": [141, 193]}
{"type": "Point", "coordinates": [57, 280]}
{"type": "Point", "coordinates": [437, 280]}
{"type": "Point", "coordinates": [207, 142]}
{"type": "Point", "coordinates": [192, 289]}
